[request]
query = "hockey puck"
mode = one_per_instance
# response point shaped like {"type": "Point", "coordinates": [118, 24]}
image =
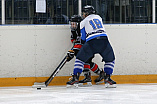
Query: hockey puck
{"type": "Point", "coordinates": [38, 88]}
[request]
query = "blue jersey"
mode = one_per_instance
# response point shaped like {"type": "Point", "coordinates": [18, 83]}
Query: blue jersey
{"type": "Point", "coordinates": [92, 27]}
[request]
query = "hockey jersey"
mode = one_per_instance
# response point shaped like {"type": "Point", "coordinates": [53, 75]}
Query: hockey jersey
{"type": "Point", "coordinates": [92, 27]}
{"type": "Point", "coordinates": [76, 39]}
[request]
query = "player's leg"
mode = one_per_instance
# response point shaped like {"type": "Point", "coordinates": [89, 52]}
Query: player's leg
{"type": "Point", "coordinates": [78, 67]}
{"type": "Point", "coordinates": [83, 55]}
{"type": "Point", "coordinates": [87, 75]}
{"type": "Point", "coordinates": [99, 79]}
{"type": "Point", "coordinates": [108, 69]}
{"type": "Point", "coordinates": [74, 80]}
{"type": "Point", "coordinates": [108, 57]}
{"type": "Point", "coordinates": [94, 67]}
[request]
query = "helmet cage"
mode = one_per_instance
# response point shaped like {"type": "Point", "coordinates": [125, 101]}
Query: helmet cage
{"type": "Point", "coordinates": [74, 21]}
{"type": "Point", "coordinates": [73, 25]}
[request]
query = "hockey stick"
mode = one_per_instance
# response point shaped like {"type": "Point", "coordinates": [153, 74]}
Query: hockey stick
{"type": "Point", "coordinates": [47, 82]}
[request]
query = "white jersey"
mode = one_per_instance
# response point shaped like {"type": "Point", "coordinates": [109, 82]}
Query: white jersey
{"type": "Point", "coordinates": [92, 27]}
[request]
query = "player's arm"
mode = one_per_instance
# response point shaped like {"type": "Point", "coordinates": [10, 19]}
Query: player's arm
{"type": "Point", "coordinates": [73, 36]}
{"type": "Point", "coordinates": [83, 32]}
{"type": "Point", "coordinates": [83, 35]}
{"type": "Point", "coordinates": [71, 53]}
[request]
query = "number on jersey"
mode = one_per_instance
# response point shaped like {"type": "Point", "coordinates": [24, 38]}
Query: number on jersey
{"type": "Point", "coordinates": [95, 23]}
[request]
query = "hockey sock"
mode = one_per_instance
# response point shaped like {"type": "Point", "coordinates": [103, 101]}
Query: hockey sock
{"type": "Point", "coordinates": [86, 67]}
{"type": "Point", "coordinates": [95, 68]}
{"type": "Point", "coordinates": [78, 67]}
{"type": "Point", "coordinates": [108, 67]}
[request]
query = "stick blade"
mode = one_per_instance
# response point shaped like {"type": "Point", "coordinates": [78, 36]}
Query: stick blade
{"type": "Point", "coordinates": [39, 85]}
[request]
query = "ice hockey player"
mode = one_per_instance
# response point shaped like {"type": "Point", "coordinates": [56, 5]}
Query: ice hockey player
{"type": "Point", "coordinates": [76, 40]}
{"type": "Point", "coordinates": [95, 40]}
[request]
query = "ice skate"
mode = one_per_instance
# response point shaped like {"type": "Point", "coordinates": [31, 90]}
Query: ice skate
{"type": "Point", "coordinates": [87, 80]}
{"type": "Point", "coordinates": [73, 82]}
{"type": "Point", "coordinates": [99, 80]}
{"type": "Point", "coordinates": [109, 83]}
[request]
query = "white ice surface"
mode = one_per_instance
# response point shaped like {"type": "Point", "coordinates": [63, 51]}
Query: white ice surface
{"type": "Point", "coordinates": [96, 94]}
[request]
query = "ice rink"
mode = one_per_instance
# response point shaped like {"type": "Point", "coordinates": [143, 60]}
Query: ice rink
{"type": "Point", "coordinates": [96, 94]}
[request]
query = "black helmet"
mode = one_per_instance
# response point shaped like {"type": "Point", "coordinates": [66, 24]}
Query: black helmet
{"type": "Point", "coordinates": [88, 9]}
{"type": "Point", "coordinates": [74, 22]}
{"type": "Point", "coordinates": [76, 18]}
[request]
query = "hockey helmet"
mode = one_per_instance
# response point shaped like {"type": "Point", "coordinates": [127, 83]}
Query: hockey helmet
{"type": "Point", "coordinates": [76, 18]}
{"type": "Point", "coordinates": [88, 10]}
{"type": "Point", "coordinates": [74, 21]}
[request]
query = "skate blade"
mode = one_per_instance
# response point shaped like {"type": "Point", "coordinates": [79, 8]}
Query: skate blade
{"type": "Point", "coordinates": [97, 83]}
{"type": "Point", "coordinates": [107, 85]}
{"type": "Point", "coordinates": [72, 86]}
{"type": "Point", "coordinates": [39, 85]}
{"type": "Point", "coordinates": [85, 84]}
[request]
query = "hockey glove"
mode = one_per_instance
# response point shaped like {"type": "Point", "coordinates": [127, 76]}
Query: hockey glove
{"type": "Point", "coordinates": [70, 55]}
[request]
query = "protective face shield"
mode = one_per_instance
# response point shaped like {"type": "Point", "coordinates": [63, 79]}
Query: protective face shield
{"type": "Point", "coordinates": [74, 21]}
{"type": "Point", "coordinates": [73, 25]}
